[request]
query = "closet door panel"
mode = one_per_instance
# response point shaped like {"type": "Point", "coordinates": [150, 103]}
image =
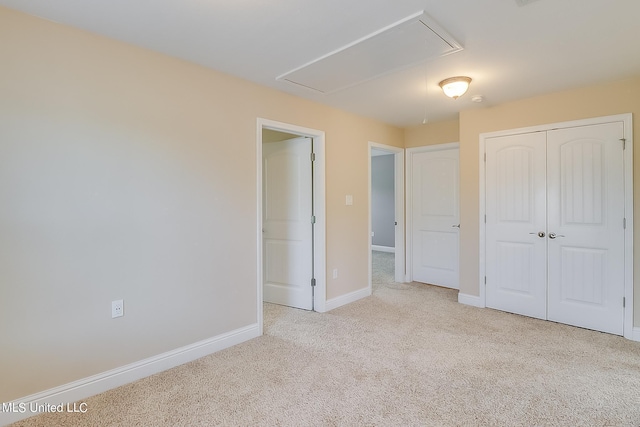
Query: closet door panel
{"type": "Point", "coordinates": [516, 214]}
{"type": "Point", "coordinates": [585, 227]}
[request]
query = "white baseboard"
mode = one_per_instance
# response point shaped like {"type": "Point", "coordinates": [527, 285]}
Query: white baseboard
{"type": "Point", "coordinates": [347, 298]}
{"type": "Point", "coordinates": [473, 300]}
{"type": "Point", "coordinates": [383, 248]}
{"type": "Point", "coordinates": [90, 386]}
{"type": "Point", "coordinates": [635, 334]}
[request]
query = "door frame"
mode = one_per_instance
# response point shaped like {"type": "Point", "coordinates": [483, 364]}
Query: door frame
{"type": "Point", "coordinates": [409, 197]}
{"type": "Point", "coordinates": [319, 200]}
{"type": "Point", "coordinates": [627, 121]}
{"type": "Point", "coordinates": [398, 163]}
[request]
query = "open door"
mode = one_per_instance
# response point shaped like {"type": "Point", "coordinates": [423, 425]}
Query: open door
{"type": "Point", "coordinates": [288, 223]}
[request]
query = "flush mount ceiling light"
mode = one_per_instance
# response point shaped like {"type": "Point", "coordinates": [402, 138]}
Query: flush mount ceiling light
{"type": "Point", "coordinates": [454, 87]}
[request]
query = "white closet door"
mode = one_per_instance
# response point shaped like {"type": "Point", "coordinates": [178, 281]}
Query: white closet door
{"type": "Point", "coordinates": [516, 270]}
{"type": "Point", "coordinates": [585, 222]}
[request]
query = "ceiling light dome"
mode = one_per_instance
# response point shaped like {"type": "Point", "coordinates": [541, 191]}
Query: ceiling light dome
{"type": "Point", "coordinates": [454, 87]}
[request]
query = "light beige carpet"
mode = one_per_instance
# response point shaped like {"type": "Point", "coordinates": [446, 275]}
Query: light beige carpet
{"type": "Point", "coordinates": [383, 267]}
{"type": "Point", "coordinates": [409, 355]}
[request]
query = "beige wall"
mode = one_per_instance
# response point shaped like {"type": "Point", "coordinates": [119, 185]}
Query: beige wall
{"type": "Point", "coordinates": [128, 174]}
{"type": "Point", "coordinates": [602, 100]}
{"type": "Point", "coordinates": [432, 133]}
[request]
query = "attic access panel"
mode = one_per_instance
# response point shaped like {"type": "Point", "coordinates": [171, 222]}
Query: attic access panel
{"type": "Point", "coordinates": [410, 41]}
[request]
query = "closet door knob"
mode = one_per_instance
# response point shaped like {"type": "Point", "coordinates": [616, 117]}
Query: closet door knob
{"type": "Point", "coordinates": [539, 233]}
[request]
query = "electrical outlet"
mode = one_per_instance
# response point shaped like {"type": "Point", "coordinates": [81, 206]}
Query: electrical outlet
{"type": "Point", "coordinates": [117, 308]}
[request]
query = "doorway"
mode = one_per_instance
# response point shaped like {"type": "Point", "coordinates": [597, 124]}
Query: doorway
{"type": "Point", "coordinates": [391, 223]}
{"type": "Point", "coordinates": [291, 216]}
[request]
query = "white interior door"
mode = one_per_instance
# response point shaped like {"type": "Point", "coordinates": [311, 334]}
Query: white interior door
{"type": "Point", "coordinates": [435, 217]}
{"type": "Point", "coordinates": [287, 227]}
{"type": "Point", "coordinates": [585, 223]}
{"type": "Point", "coordinates": [516, 262]}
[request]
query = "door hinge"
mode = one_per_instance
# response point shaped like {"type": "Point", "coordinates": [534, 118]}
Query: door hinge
{"type": "Point", "coordinates": [624, 223]}
{"type": "Point", "coordinates": [624, 143]}
{"type": "Point", "coordinates": [485, 157]}
{"type": "Point", "coordinates": [313, 282]}
{"type": "Point", "coordinates": [313, 219]}
{"type": "Point", "coordinates": [313, 157]}
{"type": "Point", "coordinates": [485, 280]}
{"type": "Point", "coordinates": [624, 302]}
{"type": "Point", "coordinates": [485, 219]}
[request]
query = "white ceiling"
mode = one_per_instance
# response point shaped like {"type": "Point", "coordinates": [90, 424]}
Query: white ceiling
{"type": "Point", "coordinates": [510, 51]}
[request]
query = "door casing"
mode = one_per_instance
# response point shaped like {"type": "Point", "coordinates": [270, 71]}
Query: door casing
{"type": "Point", "coordinates": [626, 119]}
